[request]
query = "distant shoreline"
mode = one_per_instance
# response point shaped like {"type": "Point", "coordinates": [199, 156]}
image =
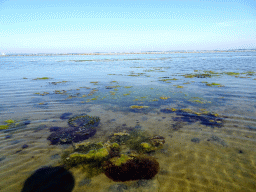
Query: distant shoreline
{"type": "Point", "coordinates": [130, 53]}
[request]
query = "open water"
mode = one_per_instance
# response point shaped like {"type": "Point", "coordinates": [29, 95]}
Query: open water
{"type": "Point", "coordinates": [203, 104]}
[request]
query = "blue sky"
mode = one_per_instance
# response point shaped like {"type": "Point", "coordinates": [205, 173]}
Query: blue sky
{"type": "Point", "coordinates": [81, 26]}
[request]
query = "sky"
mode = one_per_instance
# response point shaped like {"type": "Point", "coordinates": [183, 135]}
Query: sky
{"type": "Point", "coordinates": [86, 26]}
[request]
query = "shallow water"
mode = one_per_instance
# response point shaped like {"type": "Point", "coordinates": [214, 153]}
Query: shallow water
{"type": "Point", "coordinates": [214, 151]}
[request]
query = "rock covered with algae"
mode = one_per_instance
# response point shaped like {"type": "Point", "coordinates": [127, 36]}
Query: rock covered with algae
{"type": "Point", "coordinates": [126, 168]}
{"type": "Point", "coordinates": [123, 157]}
{"type": "Point", "coordinates": [76, 158]}
{"type": "Point", "coordinates": [14, 124]}
{"type": "Point", "coordinates": [81, 127]}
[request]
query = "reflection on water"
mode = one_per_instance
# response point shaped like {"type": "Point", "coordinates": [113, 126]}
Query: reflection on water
{"type": "Point", "coordinates": [202, 104]}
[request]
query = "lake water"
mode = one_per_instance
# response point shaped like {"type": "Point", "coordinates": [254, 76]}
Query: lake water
{"type": "Point", "coordinates": [203, 104]}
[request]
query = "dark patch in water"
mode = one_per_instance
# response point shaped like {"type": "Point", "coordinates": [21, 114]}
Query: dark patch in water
{"type": "Point", "coordinates": [81, 128]}
{"type": "Point", "coordinates": [55, 129]}
{"type": "Point", "coordinates": [217, 140]}
{"type": "Point", "coordinates": [252, 128]}
{"type": "Point", "coordinates": [195, 140]}
{"type": "Point", "coordinates": [8, 136]}
{"type": "Point", "coordinates": [65, 116]}
{"type": "Point", "coordinates": [56, 179]}
{"type": "Point", "coordinates": [2, 158]}
{"type": "Point", "coordinates": [24, 146]}
{"type": "Point", "coordinates": [208, 120]}
{"type": "Point", "coordinates": [40, 127]}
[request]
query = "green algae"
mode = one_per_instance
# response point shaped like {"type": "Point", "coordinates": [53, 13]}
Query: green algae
{"type": "Point", "coordinates": [128, 87]}
{"type": "Point", "coordinates": [42, 78]}
{"type": "Point", "coordinates": [95, 82]}
{"type": "Point", "coordinates": [231, 73]}
{"type": "Point", "coordinates": [92, 156]}
{"type": "Point", "coordinates": [173, 79]}
{"type": "Point", "coordinates": [9, 122]}
{"type": "Point", "coordinates": [4, 127]}
{"type": "Point", "coordinates": [164, 98]}
{"type": "Point", "coordinates": [55, 83]}
{"type": "Point", "coordinates": [42, 94]}
{"type": "Point", "coordinates": [118, 161]}
{"type": "Point", "coordinates": [147, 147]}
{"type": "Point", "coordinates": [189, 76]}
{"type": "Point", "coordinates": [214, 84]}
{"type": "Point", "coordinates": [138, 107]}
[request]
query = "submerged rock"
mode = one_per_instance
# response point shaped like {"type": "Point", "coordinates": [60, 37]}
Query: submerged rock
{"type": "Point", "coordinates": [190, 116]}
{"type": "Point", "coordinates": [65, 116]}
{"type": "Point", "coordinates": [128, 168]}
{"type": "Point", "coordinates": [217, 140]}
{"type": "Point", "coordinates": [92, 156]}
{"type": "Point", "coordinates": [81, 128]}
{"type": "Point", "coordinates": [195, 140]}
{"type": "Point", "coordinates": [83, 121]}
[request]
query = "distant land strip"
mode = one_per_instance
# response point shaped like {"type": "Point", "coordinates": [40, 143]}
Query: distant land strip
{"type": "Point", "coordinates": [129, 53]}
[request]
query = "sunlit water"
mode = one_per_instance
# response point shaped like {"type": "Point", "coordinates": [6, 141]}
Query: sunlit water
{"type": "Point", "coordinates": [202, 152]}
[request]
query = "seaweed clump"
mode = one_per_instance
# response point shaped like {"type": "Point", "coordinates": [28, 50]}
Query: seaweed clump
{"type": "Point", "coordinates": [81, 127]}
{"type": "Point", "coordinates": [14, 124]}
{"type": "Point", "coordinates": [190, 116]}
{"type": "Point", "coordinates": [122, 158]}
{"type": "Point", "coordinates": [127, 168]}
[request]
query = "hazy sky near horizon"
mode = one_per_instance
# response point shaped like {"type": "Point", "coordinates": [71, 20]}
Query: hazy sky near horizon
{"type": "Point", "coordinates": [78, 26]}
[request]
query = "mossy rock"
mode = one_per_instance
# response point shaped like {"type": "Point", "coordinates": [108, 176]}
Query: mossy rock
{"type": "Point", "coordinates": [92, 156]}
{"type": "Point", "coordinates": [147, 147]}
{"type": "Point", "coordinates": [83, 121]}
{"type": "Point", "coordinates": [87, 146]}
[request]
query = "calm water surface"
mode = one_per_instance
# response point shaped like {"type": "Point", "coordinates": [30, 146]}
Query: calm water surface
{"type": "Point", "coordinates": [204, 104]}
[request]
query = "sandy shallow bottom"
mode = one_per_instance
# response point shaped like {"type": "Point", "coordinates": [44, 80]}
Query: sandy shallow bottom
{"type": "Point", "coordinates": [226, 163]}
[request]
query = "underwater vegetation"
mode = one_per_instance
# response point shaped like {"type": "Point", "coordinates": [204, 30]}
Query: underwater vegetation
{"type": "Point", "coordinates": [55, 83]}
{"type": "Point", "coordinates": [214, 84]}
{"type": "Point", "coordinates": [131, 168]}
{"type": "Point", "coordinates": [42, 94]}
{"type": "Point", "coordinates": [81, 127]}
{"type": "Point", "coordinates": [14, 124]}
{"type": "Point", "coordinates": [138, 107]}
{"type": "Point", "coordinates": [164, 98]}
{"type": "Point", "coordinates": [42, 78]}
{"type": "Point", "coordinates": [190, 116]}
{"type": "Point", "coordinates": [65, 116]}
{"type": "Point", "coordinates": [123, 157]}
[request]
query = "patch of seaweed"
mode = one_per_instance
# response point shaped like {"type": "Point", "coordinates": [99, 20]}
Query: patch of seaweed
{"type": "Point", "coordinates": [81, 128]}
{"type": "Point", "coordinates": [189, 116]}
